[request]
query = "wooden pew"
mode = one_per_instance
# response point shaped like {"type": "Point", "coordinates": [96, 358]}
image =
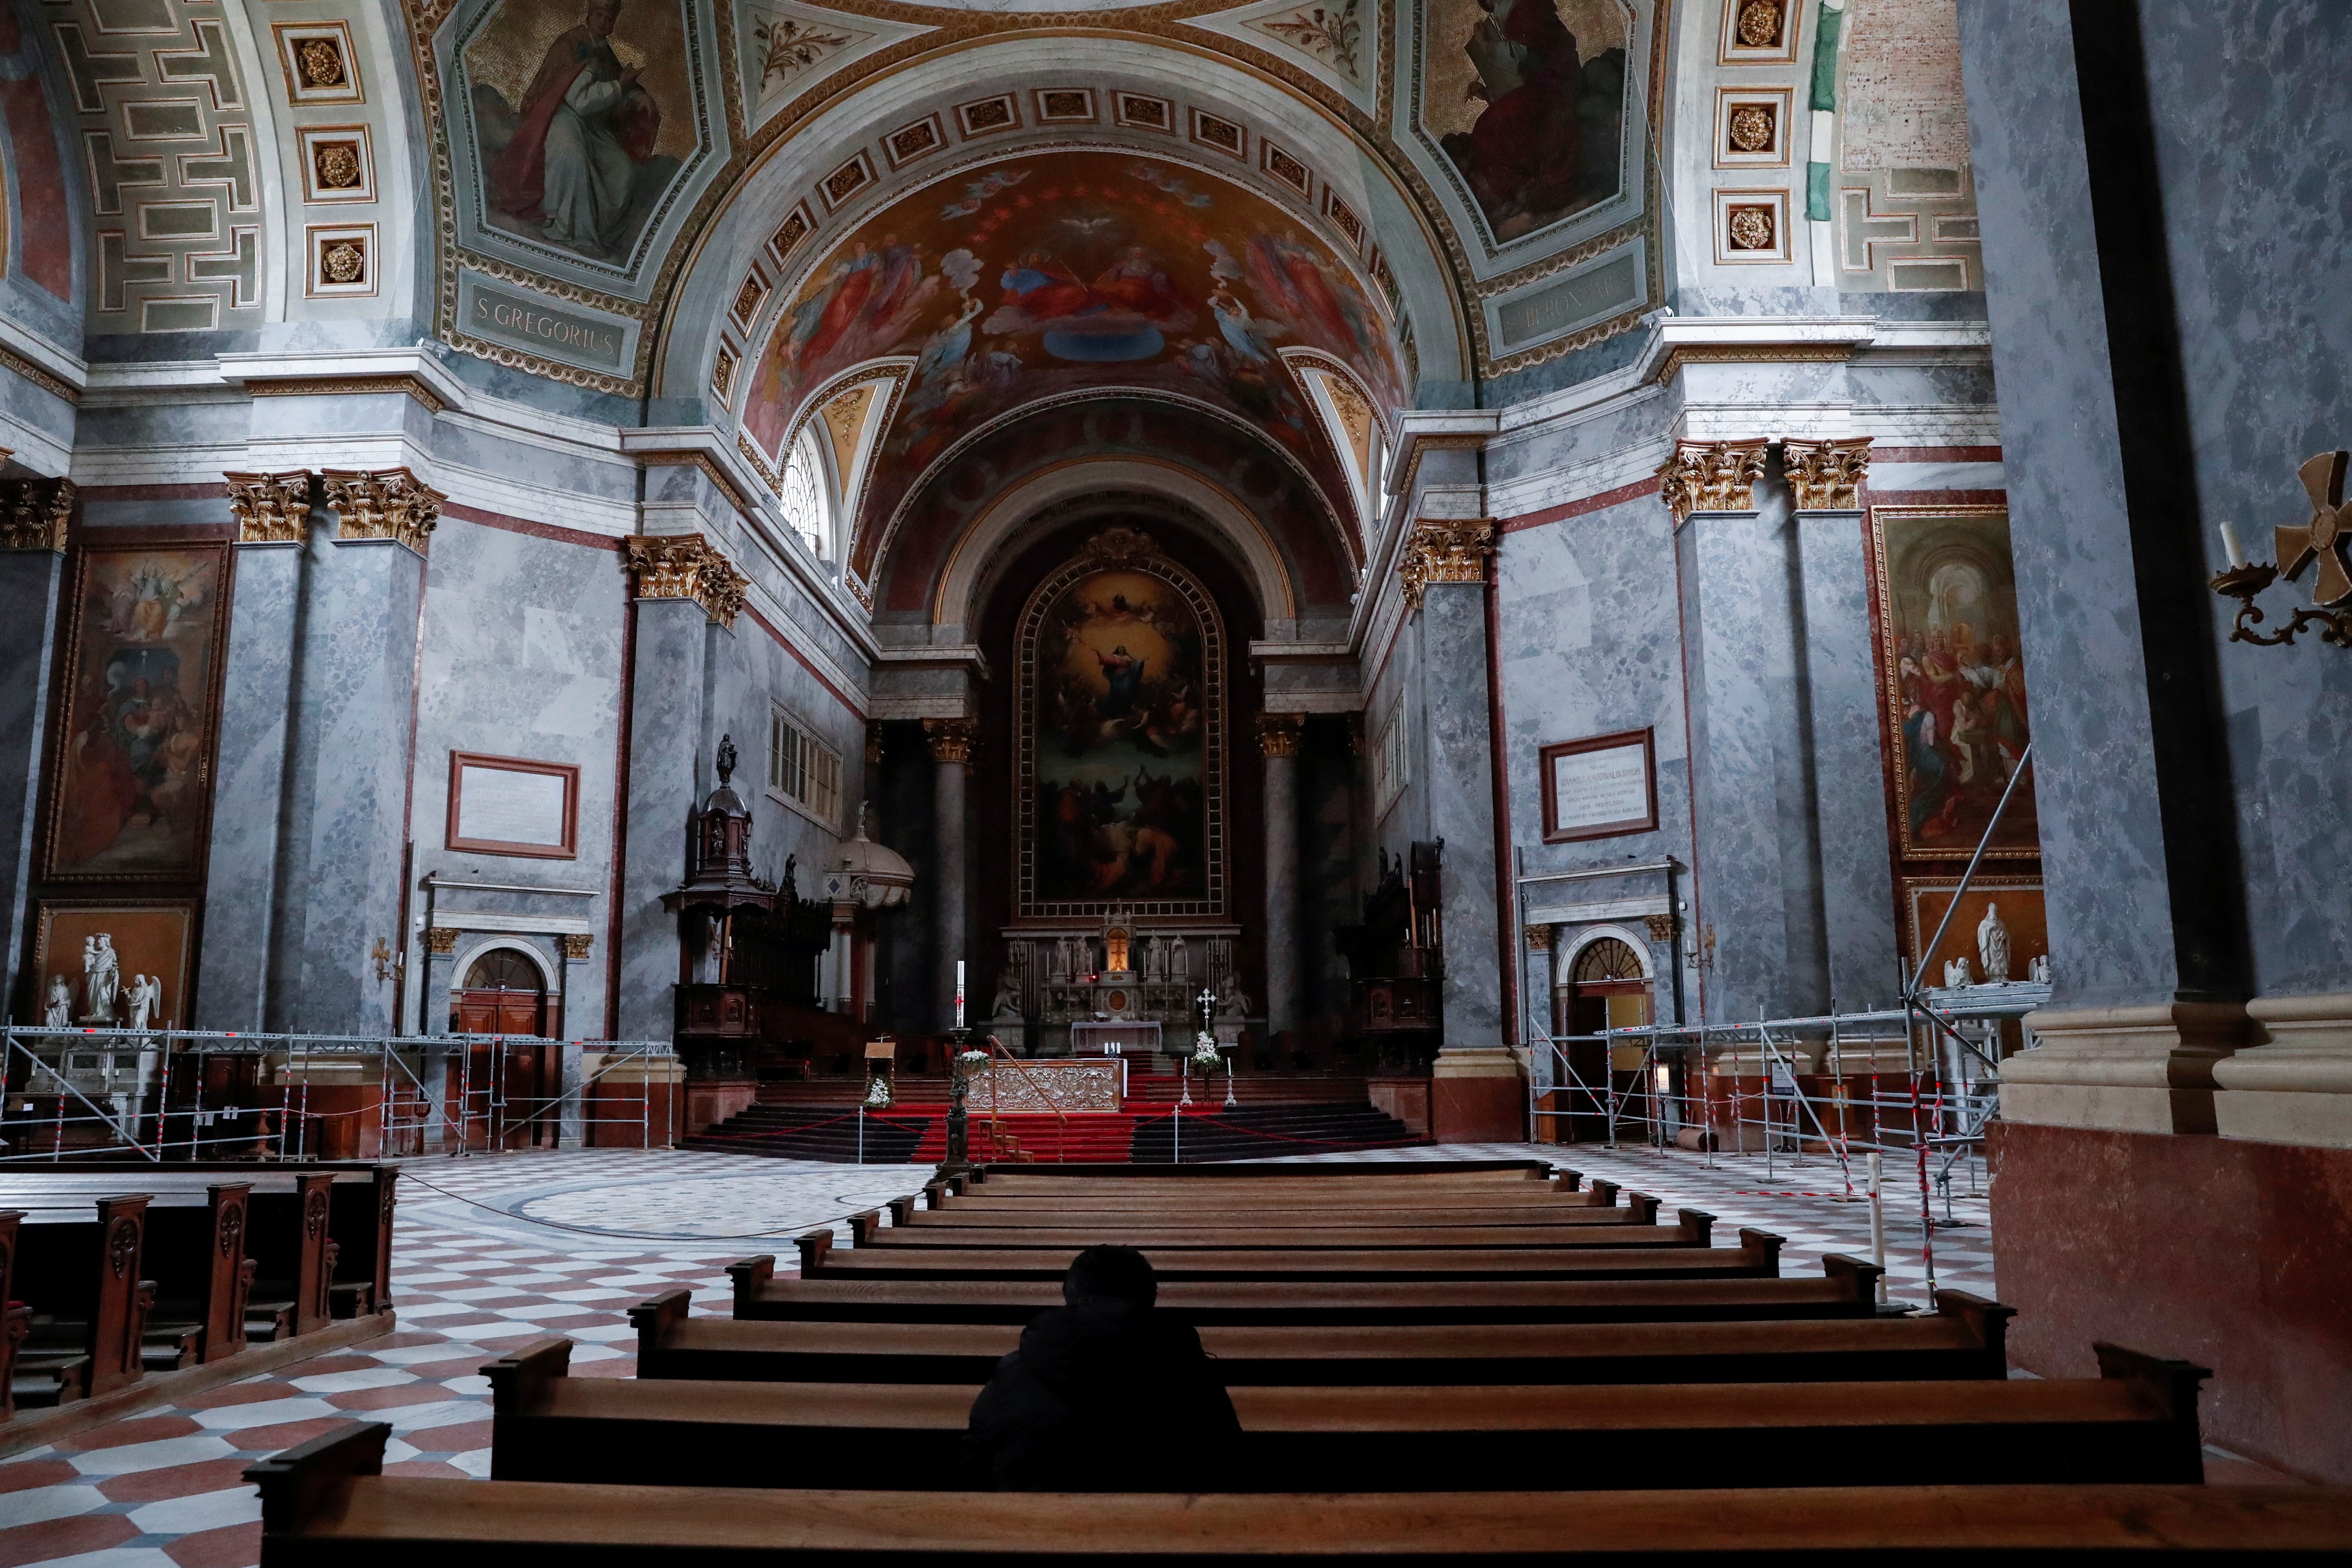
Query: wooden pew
{"type": "Point", "coordinates": [1571, 1208]}
{"type": "Point", "coordinates": [77, 1266]}
{"type": "Point", "coordinates": [15, 1316]}
{"type": "Point", "coordinates": [202, 1278]}
{"type": "Point", "coordinates": [1966, 1337]}
{"type": "Point", "coordinates": [295, 1253]}
{"type": "Point", "coordinates": [1692, 1229]}
{"type": "Point", "coordinates": [326, 1502]}
{"type": "Point", "coordinates": [2136, 1423]}
{"type": "Point", "coordinates": [1684, 1255]}
{"type": "Point", "coordinates": [1848, 1288]}
{"type": "Point", "coordinates": [1565, 1190]}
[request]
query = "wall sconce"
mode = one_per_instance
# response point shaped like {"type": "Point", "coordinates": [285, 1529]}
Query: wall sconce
{"type": "Point", "coordinates": [2321, 543]}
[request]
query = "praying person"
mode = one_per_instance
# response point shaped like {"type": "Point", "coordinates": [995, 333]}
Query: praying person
{"type": "Point", "coordinates": [1104, 1393]}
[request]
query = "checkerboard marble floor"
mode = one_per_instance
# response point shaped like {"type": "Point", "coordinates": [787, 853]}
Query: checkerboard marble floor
{"type": "Point", "coordinates": [489, 1254]}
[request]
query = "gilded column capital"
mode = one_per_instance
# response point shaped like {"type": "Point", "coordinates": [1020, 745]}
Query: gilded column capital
{"type": "Point", "coordinates": [1826, 475]}
{"type": "Point", "coordinates": [575, 944]}
{"type": "Point", "coordinates": [1278, 734]}
{"type": "Point", "coordinates": [1539, 939]}
{"type": "Point", "coordinates": [950, 740]}
{"type": "Point", "coordinates": [270, 509]}
{"type": "Point", "coordinates": [383, 503]}
{"type": "Point", "coordinates": [441, 939]}
{"type": "Point", "coordinates": [873, 739]}
{"type": "Point", "coordinates": [34, 512]}
{"type": "Point", "coordinates": [688, 567]}
{"type": "Point", "coordinates": [1444, 550]}
{"type": "Point", "coordinates": [1711, 476]}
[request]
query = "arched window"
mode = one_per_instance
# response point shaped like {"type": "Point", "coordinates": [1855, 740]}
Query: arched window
{"type": "Point", "coordinates": [1606, 960]}
{"type": "Point", "coordinates": [502, 969]}
{"type": "Point", "coordinates": [806, 505]}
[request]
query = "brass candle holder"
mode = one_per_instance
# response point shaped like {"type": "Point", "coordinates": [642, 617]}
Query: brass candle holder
{"type": "Point", "coordinates": [2319, 543]}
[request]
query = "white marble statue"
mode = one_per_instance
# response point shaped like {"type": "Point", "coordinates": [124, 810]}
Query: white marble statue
{"type": "Point", "coordinates": [145, 999]}
{"type": "Point", "coordinates": [101, 981]}
{"type": "Point", "coordinates": [2039, 970]}
{"type": "Point", "coordinates": [1956, 973]}
{"type": "Point", "coordinates": [1992, 945]}
{"type": "Point", "coordinates": [58, 1015]}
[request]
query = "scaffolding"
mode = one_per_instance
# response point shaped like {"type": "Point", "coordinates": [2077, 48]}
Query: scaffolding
{"type": "Point", "coordinates": [183, 1094]}
{"type": "Point", "coordinates": [1916, 1083]}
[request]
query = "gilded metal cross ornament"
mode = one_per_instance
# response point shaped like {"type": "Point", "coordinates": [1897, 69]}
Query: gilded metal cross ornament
{"type": "Point", "coordinates": [2323, 537]}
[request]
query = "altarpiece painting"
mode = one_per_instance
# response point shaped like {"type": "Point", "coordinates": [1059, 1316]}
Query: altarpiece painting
{"type": "Point", "coordinates": [1956, 718]}
{"type": "Point", "coordinates": [132, 795]}
{"type": "Point", "coordinates": [1121, 721]}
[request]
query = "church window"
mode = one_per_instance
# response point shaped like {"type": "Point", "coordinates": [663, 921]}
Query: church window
{"type": "Point", "coordinates": [806, 506]}
{"type": "Point", "coordinates": [802, 771]}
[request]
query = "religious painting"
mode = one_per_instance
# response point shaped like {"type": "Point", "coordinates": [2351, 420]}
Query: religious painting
{"type": "Point", "coordinates": [1067, 271]}
{"type": "Point", "coordinates": [1527, 100]}
{"type": "Point", "coordinates": [583, 115]}
{"type": "Point", "coordinates": [2012, 904]}
{"type": "Point", "coordinates": [112, 966]}
{"type": "Point", "coordinates": [1121, 742]}
{"type": "Point", "coordinates": [132, 796]}
{"type": "Point", "coordinates": [1956, 718]}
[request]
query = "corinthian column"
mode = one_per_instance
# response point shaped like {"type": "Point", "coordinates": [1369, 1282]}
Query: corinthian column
{"type": "Point", "coordinates": [951, 741]}
{"type": "Point", "coordinates": [1277, 737]}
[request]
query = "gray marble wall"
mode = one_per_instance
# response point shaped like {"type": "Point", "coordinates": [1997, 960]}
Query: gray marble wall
{"type": "Point", "coordinates": [1457, 775]}
{"type": "Point", "coordinates": [2189, 789]}
{"type": "Point", "coordinates": [2260, 243]}
{"type": "Point", "coordinates": [670, 771]}
{"type": "Point", "coordinates": [31, 582]}
{"type": "Point", "coordinates": [1591, 646]}
{"type": "Point", "coordinates": [520, 657]}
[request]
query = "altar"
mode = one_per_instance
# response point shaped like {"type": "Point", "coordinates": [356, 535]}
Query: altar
{"type": "Point", "coordinates": [1068, 1084]}
{"type": "Point", "coordinates": [1114, 1037]}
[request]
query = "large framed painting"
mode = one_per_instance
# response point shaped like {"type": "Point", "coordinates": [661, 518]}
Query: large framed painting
{"type": "Point", "coordinates": [1120, 738]}
{"type": "Point", "coordinates": [113, 965]}
{"type": "Point", "coordinates": [1954, 692]}
{"type": "Point", "coordinates": [2018, 900]}
{"type": "Point", "coordinates": [132, 796]}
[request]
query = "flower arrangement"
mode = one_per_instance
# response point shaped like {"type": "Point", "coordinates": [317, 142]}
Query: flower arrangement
{"type": "Point", "coordinates": [878, 1094]}
{"type": "Point", "coordinates": [1204, 1050]}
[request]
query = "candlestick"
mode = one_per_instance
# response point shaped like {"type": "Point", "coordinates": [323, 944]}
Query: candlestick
{"type": "Point", "coordinates": [959, 1023]}
{"type": "Point", "coordinates": [2236, 551]}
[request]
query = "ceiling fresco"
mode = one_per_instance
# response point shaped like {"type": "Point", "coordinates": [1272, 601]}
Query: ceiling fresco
{"type": "Point", "coordinates": [1066, 272]}
{"type": "Point", "coordinates": [594, 149]}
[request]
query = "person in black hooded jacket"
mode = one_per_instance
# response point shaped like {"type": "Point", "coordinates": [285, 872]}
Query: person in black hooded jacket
{"type": "Point", "coordinates": [1106, 1394]}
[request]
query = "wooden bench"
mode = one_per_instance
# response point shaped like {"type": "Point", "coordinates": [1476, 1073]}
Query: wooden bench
{"type": "Point", "coordinates": [1023, 1213]}
{"type": "Point", "coordinates": [300, 1221]}
{"type": "Point", "coordinates": [327, 1503]}
{"type": "Point", "coordinates": [1966, 1337]}
{"type": "Point", "coordinates": [76, 1268]}
{"type": "Point", "coordinates": [1847, 1289]}
{"type": "Point", "coordinates": [2136, 1423]}
{"type": "Point", "coordinates": [1684, 1255]}
{"type": "Point", "coordinates": [1692, 1229]}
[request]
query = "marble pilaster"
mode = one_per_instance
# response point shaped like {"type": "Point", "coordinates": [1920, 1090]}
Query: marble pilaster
{"type": "Point", "coordinates": [31, 583]}
{"type": "Point", "coordinates": [1758, 858]}
{"type": "Point", "coordinates": [257, 712]}
{"type": "Point", "coordinates": [1277, 737]}
{"type": "Point", "coordinates": [1840, 686]}
{"type": "Point", "coordinates": [951, 743]}
{"type": "Point", "coordinates": [336, 873]}
{"type": "Point", "coordinates": [669, 747]}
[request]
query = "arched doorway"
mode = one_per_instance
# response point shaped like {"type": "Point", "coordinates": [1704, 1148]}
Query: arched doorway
{"type": "Point", "coordinates": [503, 1094]}
{"type": "Point", "coordinates": [503, 994]}
{"type": "Point", "coordinates": [1605, 988]}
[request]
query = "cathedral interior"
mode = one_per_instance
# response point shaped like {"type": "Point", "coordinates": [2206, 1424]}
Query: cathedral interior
{"type": "Point", "coordinates": [1489, 610]}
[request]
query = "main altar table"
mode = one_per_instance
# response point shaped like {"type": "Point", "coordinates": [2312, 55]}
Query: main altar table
{"type": "Point", "coordinates": [1064, 1085]}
